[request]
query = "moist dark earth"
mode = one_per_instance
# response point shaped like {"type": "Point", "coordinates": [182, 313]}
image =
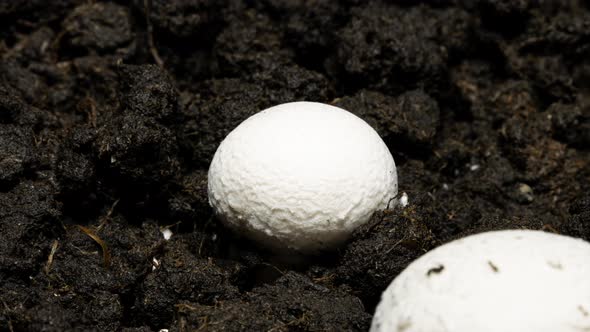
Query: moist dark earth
{"type": "Point", "coordinates": [110, 113]}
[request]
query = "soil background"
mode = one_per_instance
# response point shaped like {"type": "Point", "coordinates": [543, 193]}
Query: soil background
{"type": "Point", "coordinates": [110, 113]}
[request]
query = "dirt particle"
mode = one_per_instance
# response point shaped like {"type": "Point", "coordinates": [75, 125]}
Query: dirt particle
{"type": "Point", "coordinates": [555, 265]}
{"type": "Point", "coordinates": [435, 270]}
{"type": "Point", "coordinates": [404, 325]}
{"type": "Point", "coordinates": [525, 193]}
{"type": "Point", "coordinates": [493, 267]}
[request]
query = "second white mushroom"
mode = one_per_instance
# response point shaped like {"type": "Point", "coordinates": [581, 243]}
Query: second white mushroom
{"type": "Point", "coordinates": [504, 281]}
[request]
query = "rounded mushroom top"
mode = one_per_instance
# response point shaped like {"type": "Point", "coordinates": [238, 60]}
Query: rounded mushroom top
{"type": "Point", "coordinates": [509, 281]}
{"type": "Point", "coordinates": [301, 175]}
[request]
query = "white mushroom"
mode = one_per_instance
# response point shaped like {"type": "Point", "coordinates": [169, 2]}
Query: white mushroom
{"type": "Point", "coordinates": [301, 175]}
{"type": "Point", "coordinates": [504, 281]}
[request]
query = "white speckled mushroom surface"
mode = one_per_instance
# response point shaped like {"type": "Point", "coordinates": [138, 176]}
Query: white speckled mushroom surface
{"type": "Point", "coordinates": [504, 281]}
{"type": "Point", "coordinates": [301, 175]}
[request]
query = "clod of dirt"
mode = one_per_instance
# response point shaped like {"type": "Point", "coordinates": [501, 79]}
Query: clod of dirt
{"type": "Point", "coordinates": [37, 10]}
{"type": "Point", "coordinates": [390, 49]}
{"type": "Point", "coordinates": [14, 110]}
{"type": "Point", "coordinates": [384, 247]}
{"type": "Point", "coordinates": [571, 122]}
{"type": "Point", "coordinates": [578, 223]}
{"type": "Point", "coordinates": [148, 91]}
{"type": "Point", "coordinates": [179, 276]}
{"type": "Point", "coordinates": [29, 213]}
{"type": "Point", "coordinates": [537, 155]}
{"type": "Point", "coordinates": [252, 31]}
{"type": "Point", "coordinates": [98, 27]}
{"type": "Point", "coordinates": [185, 18]}
{"type": "Point", "coordinates": [411, 119]}
{"type": "Point", "coordinates": [292, 302]}
{"type": "Point", "coordinates": [191, 202]}
{"type": "Point", "coordinates": [134, 144]}
{"type": "Point", "coordinates": [16, 151]}
{"type": "Point", "coordinates": [74, 169]}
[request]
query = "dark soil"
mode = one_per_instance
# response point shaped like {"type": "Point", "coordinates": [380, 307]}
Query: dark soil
{"type": "Point", "coordinates": [110, 113]}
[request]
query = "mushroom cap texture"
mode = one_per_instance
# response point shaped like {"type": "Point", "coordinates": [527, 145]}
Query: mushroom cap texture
{"type": "Point", "coordinates": [508, 281]}
{"type": "Point", "coordinates": [301, 176]}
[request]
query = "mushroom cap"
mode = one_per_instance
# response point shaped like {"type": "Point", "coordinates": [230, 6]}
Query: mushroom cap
{"type": "Point", "coordinates": [508, 281]}
{"type": "Point", "coordinates": [301, 176]}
